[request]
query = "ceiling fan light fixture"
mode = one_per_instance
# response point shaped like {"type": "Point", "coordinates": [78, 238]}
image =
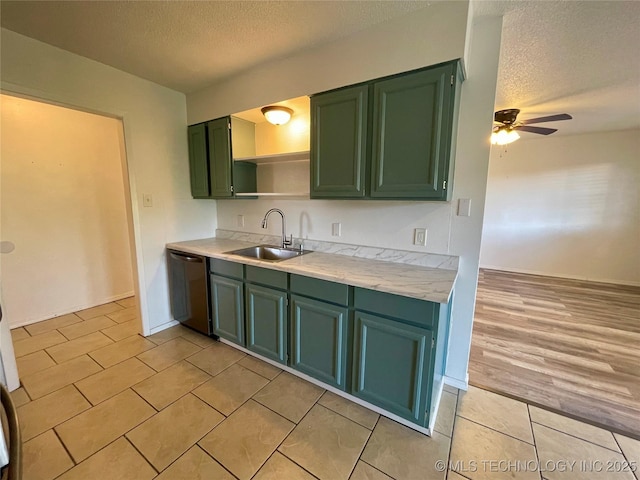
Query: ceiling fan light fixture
{"type": "Point", "coordinates": [504, 136]}
{"type": "Point", "coordinates": [277, 114]}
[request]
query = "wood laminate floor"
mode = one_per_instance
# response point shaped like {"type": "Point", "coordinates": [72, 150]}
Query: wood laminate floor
{"type": "Point", "coordinates": [572, 346]}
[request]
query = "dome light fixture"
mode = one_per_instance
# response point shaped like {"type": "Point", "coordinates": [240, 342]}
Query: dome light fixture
{"type": "Point", "coordinates": [503, 136]}
{"type": "Point", "coordinates": [277, 114]}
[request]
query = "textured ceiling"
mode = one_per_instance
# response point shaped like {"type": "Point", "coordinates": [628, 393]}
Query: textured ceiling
{"type": "Point", "coordinates": [576, 57]}
{"type": "Point", "coordinates": [189, 45]}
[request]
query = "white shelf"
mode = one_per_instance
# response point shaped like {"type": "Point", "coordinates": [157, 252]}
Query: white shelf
{"type": "Point", "coordinates": [276, 158]}
{"type": "Point", "coordinates": [270, 194]}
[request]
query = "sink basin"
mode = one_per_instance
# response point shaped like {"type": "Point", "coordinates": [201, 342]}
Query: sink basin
{"type": "Point", "coordinates": [270, 253]}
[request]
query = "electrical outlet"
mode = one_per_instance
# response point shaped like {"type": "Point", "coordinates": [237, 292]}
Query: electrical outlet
{"type": "Point", "coordinates": [420, 236]}
{"type": "Point", "coordinates": [336, 229]}
{"type": "Point", "coordinates": [240, 220]}
{"type": "Point", "coordinates": [147, 200]}
{"type": "Point", "coordinates": [464, 207]}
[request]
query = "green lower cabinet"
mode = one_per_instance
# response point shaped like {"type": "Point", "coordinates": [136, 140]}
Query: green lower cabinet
{"type": "Point", "coordinates": [227, 308]}
{"type": "Point", "coordinates": [267, 322]}
{"type": "Point", "coordinates": [391, 366]}
{"type": "Point", "coordinates": [319, 340]}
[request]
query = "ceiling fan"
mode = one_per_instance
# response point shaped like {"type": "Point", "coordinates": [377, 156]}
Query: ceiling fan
{"type": "Point", "coordinates": [506, 132]}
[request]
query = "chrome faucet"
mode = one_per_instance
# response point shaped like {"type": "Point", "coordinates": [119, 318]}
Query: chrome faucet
{"type": "Point", "coordinates": [285, 242]}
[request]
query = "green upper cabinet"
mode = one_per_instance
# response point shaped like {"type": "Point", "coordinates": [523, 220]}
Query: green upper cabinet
{"type": "Point", "coordinates": [390, 139]}
{"type": "Point", "coordinates": [218, 132]}
{"type": "Point", "coordinates": [198, 161]}
{"type": "Point", "coordinates": [213, 172]}
{"type": "Point", "coordinates": [411, 134]}
{"type": "Point", "coordinates": [339, 143]}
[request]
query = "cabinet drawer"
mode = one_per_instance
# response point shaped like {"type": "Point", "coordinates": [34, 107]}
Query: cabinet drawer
{"type": "Point", "coordinates": [322, 289]}
{"type": "Point", "coordinates": [225, 268]}
{"type": "Point", "coordinates": [269, 278]}
{"type": "Point", "coordinates": [412, 310]}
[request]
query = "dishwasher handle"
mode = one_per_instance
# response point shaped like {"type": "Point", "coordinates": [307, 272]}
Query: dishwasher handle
{"type": "Point", "coordinates": [185, 258]}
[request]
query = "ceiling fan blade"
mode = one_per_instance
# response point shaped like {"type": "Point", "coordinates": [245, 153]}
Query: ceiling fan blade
{"type": "Point", "coordinates": [539, 130]}
{"type": "Point", "coordinates": [550, 118]}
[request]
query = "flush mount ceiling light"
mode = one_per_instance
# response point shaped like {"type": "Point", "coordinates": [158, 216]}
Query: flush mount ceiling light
{"type": "Point", "coordinates": [276, 114]}
{"type": "Point", "coordinates": [504, 136]}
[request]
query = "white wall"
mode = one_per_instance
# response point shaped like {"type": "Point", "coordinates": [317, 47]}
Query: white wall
{"type": "Point", "coordinates": [566, 206]}
{"type": "Point", "coordinates": [154, 120]}
{"type": "Point", "coordinates": [63, 207]}
{"type": "Point", "coordinates": [423, 38]}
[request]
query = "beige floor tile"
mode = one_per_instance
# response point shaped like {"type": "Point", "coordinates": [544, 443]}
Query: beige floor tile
{"type": "Point", "coordinates": [34, 362]}
{"type": "Point", "coordinates": [290, 396]}
{"type": "Point", "coordinates": [165, 355]}
{"type": "Point", "coordinates": [476, 443]}
{"type": "Point", "coordinates": [359, 414]}
{"type": "Point", "coordinates": [261, 368]}
{"type": "Point", "coordinates": [86, 327]}
{"type": "Point", "coordinates": [107, 383]}
{"type": "Point", "coordinates": [115, 353]}
{"type": "Point", "coordinates": [591, 461]}
{"type": "Point", "coordinates": [37, 342]}
{"type": "Point", "coordinates": [118, 461]}
{"type": "Point", "coordinates": [44, 457]}
{"type": "Point", "coordinates": [79, 346]}
{"type": "Point", "coordinates": [364, 471]}
{"type": "Point", "coordinates": [161, 442]}
{"type": "Point", "coordinates": [405, 454]}
{"type": "Point", "coordinates": [322, 435]}
{"type": "Point", "coordinates": [455, 476]}
{"type": "Point", "coordinates": [279, 467]}
{"type": "Point", "coordinates": [169, 385]}
{"type": "Point", "coordinates": [166, 335]}
{"type": "Point", "coordinates": [19, 334]}
{"type": "Point", "coordinates": [450, 389]}
{"type": "Point", "coordinates": [125, 315]}
{"type": "Point", "coordinates": [92, 430]}
{"type": "Point", "coordinates": [216, 358]}
{"type": "Point", "coordinates": [231, 388]}
{"type": "Point", "coordinates": [123, 330]}
{"type": "Point", "coordinates": [196, 465]}
{"type": "Point", "coordinates": [245, 440]}
{"type": "Point", "coordinates": [40, 415]}
{"type": "Point", "coordinates": [631, 450]}
{"type": "Point", "coordinates": [446, 414]}
{"type": "Point", "coordinates": [127, 302]}
{"type": "Point", "coordinates": [52, 324]}
{"type": "Point", "coordinates": [199, 339]}
{"type": "Point", "coordinates": [105, 309]}
{"type": "Point", "coordinates": [495, 411]}
{"type": "Point", "coordinates": [578, 429]}
{"type": "Point", "coordinates": [46, 381]}
{"type": "Point", "coordinates": [20, 397]}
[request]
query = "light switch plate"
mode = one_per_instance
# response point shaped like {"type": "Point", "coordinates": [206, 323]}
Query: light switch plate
{"type": "Point", "coordinates": [240, 220]}
{"type": "Point", "coordinates": [336, 229]}
{"type": "Point", "coordinates": [147, 200]}
{"type": "Point", "coordinates": [464, 207]}
{"type": "Point", "coordinates": [420, 236]}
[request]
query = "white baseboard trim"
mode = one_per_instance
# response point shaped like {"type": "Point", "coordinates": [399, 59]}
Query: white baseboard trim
{"type": "Point", "coordinates": [164, 326]}
{"type": "Point", "coordinates": [560, 275]}
{"type": "Point", "coordinates": [413, 426]}
{"type": "Point", "coordinates": [76, 308]}
{"type": "Point", "coordinates": [459, 384]}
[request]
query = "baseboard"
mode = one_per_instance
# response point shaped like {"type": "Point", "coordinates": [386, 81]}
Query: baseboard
{"type": "Point", "coordinates": [77, 308]}
{"type": "Point", "coordinates": [164, 326]}
{"type": "Point", "coordinates": [459, 384]}
{"type": "Point", "coordinates": [561, 275]}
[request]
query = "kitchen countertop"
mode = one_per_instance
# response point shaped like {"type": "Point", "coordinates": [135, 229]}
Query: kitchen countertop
{"type": "Point", "coordinates": [423, 283]}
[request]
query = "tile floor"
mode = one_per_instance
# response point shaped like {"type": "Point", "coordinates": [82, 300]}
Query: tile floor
{"type": "Point", "coordinates": [98, 401]}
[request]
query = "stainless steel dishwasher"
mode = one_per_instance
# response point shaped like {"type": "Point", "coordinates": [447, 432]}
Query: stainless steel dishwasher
{"type": "Point", "coordinates": [188, 287]}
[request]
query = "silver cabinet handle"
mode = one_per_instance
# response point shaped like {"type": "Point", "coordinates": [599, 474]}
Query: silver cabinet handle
{"type": "Point", "coordinates": [185, 258]}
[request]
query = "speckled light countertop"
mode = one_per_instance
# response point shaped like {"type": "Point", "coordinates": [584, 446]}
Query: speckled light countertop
{"type": "Point", "coordinates": [424, 283]}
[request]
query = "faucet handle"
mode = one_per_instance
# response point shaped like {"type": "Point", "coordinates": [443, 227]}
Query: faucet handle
{"type": "Point", "coordinates": [287, 242]}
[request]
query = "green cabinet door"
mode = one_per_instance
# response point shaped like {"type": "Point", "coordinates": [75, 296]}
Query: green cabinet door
{"type": "Point", "coordinates": [339, 143]}
{"type": "Point", "coordinates": [412, 128]}
{"type": "Point", "coordinates": [391, 366]}
{"type": "Point", "coordinates": [198, 161]}
{"type": "Point", "coordinates": [227, 308]}
{"type": "Point", "coordinates": [266, 322]}
{"type": "Point", "coordinates": [219, 158]}
{"type": "Point", "coordinates": [319, 340]}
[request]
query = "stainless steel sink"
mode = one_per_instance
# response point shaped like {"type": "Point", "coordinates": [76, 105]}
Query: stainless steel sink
{"type": "Point", "coordinates": [270, 253]}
